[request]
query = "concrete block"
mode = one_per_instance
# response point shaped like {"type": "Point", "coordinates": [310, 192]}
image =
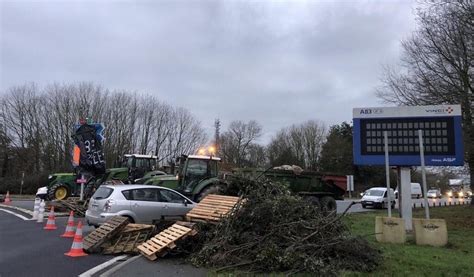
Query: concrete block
{"type": "Point", "coordinates": [430, 231]}
{"type": "Point", "coordinates": [390, 229]}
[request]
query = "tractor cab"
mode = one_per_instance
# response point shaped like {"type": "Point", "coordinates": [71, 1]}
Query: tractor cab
{"type": "Point", "coordinates": [138, 165]}
{"type": "Point", "coordinates": [194, 169]}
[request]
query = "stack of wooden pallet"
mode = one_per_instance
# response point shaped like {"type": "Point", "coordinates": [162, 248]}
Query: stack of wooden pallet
{"type": "Point", "coordinates": [71, 204]}
{"type": "Point", "coordinates": [127, 240]}
{"type": "Point", "coordinates": [210, 210]}
{"type": "Point", "coordinates": [161, 244]}
{"type": "Point", "coordinates": [117, 236]}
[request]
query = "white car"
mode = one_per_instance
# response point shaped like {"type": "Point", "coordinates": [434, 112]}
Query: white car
{"type": "Point", "coordinates": [140, 203]}
{"type": "Point", "coordinates": [42, 193]}
{"type": "Point", "coordinates": [433, 193]}
{"type": "Point", "coordinates": [415, 191]}
{"type": "Point", "coordinates": [377, 198]}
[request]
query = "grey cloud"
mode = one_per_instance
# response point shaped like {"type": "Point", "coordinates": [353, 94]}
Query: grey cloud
{"type": "Point", "coordinates": [276, 62]}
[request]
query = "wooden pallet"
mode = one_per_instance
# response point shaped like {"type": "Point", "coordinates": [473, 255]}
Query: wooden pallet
{"type": "Point", "coordinates": [128, 239]}
{"type": "Point", "coordinates": [79, 207]}
{"type": "Point", "coordinates": [110, 228]}
{"type": "Point", "coordinates": [161, 244]}
{"type": "Point", "coordinates": [212, 208]}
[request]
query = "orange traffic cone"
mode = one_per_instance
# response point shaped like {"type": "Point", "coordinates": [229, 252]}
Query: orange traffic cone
{"type": "Point", "coordinates": [51, 223]}
{"type": "Point", "coordinates": [7, 198]}
{"type": "Point", "coordinates": [69, 233]}
{"type": "Point", "coordinates": [76, 248]}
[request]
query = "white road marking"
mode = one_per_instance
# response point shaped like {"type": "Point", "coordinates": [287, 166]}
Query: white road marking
{"type": "Point", "coordinates": [15, 214]}
{"type": "Point", "coordinates": [100, 267]}
{"type": "Point", "coordinates": [119, 266]}
{"type": "Point", "coordinates": [30, 212]}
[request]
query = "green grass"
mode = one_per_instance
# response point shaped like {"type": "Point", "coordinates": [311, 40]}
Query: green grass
{"type": "Point", "coordinates": [409, 259]}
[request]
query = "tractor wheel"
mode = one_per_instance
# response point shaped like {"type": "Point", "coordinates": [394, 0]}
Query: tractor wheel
{"type": "Point", "coordinates": [59, 191]}
{"type": "Point", "coordinates": [328, 206]}
{"type": "Point", "coordinates": [314, 201]}
{"type": "Point", "coordinates": [212, 189]}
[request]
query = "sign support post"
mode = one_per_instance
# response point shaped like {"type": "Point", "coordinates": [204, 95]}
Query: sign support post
{"type": "Point", "coordinates": [423, 174]}
{"type": "Point", "coordinates": [405, 195]}
{"type": "Point", "coordinates": [387, 175]}
{"type": "Point", "coordinates": [82, 181]}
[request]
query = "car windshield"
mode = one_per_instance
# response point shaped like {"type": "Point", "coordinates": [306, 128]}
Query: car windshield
{"type": "Point", "coordinates": [374, 192]}
{"type": "Point", "coordinates": [102, 193]}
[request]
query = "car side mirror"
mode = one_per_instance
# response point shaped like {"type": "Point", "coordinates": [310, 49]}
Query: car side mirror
{"type": "Point", "coordinates": [186, 202]}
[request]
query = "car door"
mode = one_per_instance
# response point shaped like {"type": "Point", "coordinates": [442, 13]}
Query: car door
{"type": "Point", "coordinates": [146, 205]}
{"type": "Point", "coordinates": [175, 206]}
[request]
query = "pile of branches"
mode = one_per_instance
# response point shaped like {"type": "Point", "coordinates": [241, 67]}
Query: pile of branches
{"type": "Point", "coordinates": [275, 231]}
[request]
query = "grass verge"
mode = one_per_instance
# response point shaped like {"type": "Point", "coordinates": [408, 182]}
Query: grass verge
{"type": "Point", "coordinates": [456, 259]}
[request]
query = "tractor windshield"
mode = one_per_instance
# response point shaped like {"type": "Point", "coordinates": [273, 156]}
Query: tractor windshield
{"type": "Point", "coordinates": [196, 168]}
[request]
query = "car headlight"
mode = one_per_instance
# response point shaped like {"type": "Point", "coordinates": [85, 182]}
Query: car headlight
{"type": "Point", "coordinates": [461, 193]}
{"type": "Point", "coordinates": [50, 177]}
{"type": "Point", "coordinates": [449, 194]}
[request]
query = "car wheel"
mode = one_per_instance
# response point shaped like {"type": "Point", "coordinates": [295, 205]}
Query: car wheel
{"type": "Point", "coordinates": [393, 205]}
{"type": "Point", "coordinates": [364, 206]}
{"type": "Point", "coordinates": [130, 219]}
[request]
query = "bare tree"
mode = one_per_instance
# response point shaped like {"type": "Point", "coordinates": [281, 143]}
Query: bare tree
{"type": "Point", "coordinates": [37, 125]}
{"type": "Point", "coordinates": [438, 64]}
{"type": "Point", "coordinates": [238, 139]}
{"type": "Point", "coordinates": [299, 144]}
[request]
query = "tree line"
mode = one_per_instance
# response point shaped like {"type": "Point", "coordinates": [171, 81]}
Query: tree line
{"type": "Point", "coordinates": [37, 124]}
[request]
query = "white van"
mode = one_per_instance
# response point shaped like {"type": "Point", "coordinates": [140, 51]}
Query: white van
{"type": "Point", "coordinates": [377, 198]}
{"type": "Point", "coordinates": [416, 191]}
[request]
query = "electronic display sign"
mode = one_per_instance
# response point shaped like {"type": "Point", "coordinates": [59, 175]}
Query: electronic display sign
{"type": "Point", "coordinates": [441, 130]}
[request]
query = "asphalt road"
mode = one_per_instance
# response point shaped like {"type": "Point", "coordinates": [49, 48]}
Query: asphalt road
{"type": "Point", "coordinates": [28, 250]}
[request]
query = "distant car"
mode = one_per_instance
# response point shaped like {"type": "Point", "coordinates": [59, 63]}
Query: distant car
{"type": "Point", "coordinates": [42, 193]}
{"type": "Point", "coordinates": [377, 198]}
{"type": "Point", "coordinates": [415, 191]}
{"type": "Point", "coordinates": [140, 203]}
{"type": "Point", "coordinates": [459, 193]}
{"type": "Point", "coordinates": [433, 193]}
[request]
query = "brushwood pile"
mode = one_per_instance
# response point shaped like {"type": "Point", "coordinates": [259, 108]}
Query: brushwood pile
{"type": "Point", "coordinates": [275, 231]}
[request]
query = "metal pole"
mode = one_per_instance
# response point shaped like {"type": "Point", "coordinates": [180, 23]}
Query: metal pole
{"type": "Point", "coordinates": [348, 179]}
{"type": "Point", "coordinates": [387, 174]}
{"type": "Point", "coordinates": [423, 173]}
{"type": "Point", "coordinates": [82, 187]}
{"type": "Point", "coordinates": [22, 182]}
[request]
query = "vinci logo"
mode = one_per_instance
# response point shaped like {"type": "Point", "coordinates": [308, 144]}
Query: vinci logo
{"type": "Point", "coordinates": [448, 110]}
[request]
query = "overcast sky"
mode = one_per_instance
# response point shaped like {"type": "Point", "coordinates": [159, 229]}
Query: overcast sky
{"type": "Point", "coordinates": [279, 62]}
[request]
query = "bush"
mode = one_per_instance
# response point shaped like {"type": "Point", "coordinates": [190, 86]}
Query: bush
{"type": "Point", "coordinates": [274, 231]}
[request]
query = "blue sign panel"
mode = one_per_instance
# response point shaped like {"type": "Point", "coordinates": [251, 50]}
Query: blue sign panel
{"type": "Point", "coordinates": [441, 130]}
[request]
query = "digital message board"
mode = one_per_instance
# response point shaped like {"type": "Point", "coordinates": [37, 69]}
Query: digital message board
{"type": "Point", "coordinates": [441, 130]}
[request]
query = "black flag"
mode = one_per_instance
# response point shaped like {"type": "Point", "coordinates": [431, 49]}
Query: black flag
{"type": "Point", "coordinates": [91, 154]}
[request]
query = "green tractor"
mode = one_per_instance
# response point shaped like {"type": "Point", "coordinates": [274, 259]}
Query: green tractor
{"type": "Point", "coordinates": [197, 176]}
{"type": "Point", "coordinates": [133, 167]}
